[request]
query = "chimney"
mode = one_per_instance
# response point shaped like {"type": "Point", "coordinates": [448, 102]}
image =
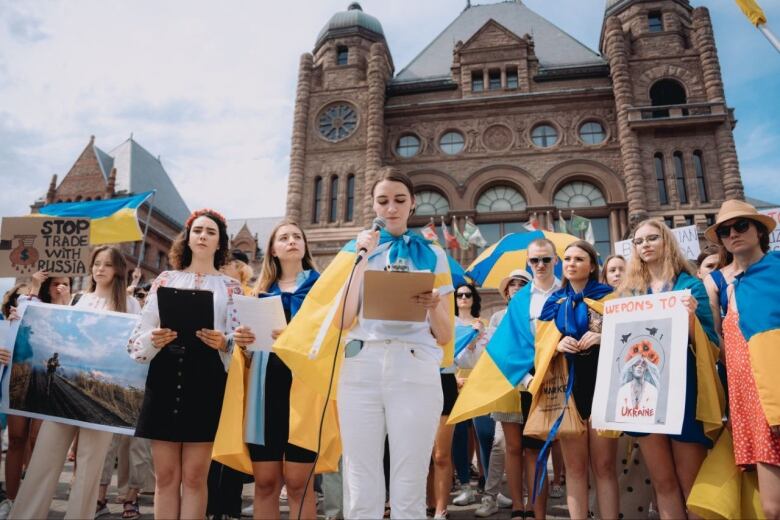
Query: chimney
{"type": "Point", "coordinates": [52, 193]}
{"type": "Point", "coordinates": [111, 185]}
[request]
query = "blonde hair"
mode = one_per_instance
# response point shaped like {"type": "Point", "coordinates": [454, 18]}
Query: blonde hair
{"type": "Point", "coordinates": [272, 268]}
{"type": "Point", "coordinates": [245, 272]}
{"type": "Point", "coordinates": [637, 277]}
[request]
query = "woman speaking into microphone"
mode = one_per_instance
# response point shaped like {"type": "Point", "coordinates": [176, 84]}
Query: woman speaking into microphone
{"type": "Point", "coordinates": [389, 383]}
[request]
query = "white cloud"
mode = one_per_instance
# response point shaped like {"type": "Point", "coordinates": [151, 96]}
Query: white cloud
{"type": "Point", "coordinates": [211, 87]}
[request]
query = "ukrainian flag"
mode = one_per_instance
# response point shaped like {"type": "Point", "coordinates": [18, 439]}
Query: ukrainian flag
{"type": "Point", "coordinates": [759, 321]}
{"type": "Point", "coordinates": [309, 346]}
{"type": "Point", "coordinates": [111, 221]}
{"type": "Point", "coordinates": [508, 357]}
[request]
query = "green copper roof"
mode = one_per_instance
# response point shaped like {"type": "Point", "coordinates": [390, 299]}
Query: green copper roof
{"type": "Point", "coordinates": [353, 20]}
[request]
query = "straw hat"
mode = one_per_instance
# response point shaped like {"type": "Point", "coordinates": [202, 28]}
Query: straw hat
{"type": "Point", "coordinates": [737, 209]}
{"type": "Point", "coordinates": [517, 274]}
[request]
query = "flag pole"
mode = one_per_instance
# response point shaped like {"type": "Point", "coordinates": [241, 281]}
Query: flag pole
{"type": "Point", "coordinates": [146, 229]}
{"type": "Point", "coordinates": [766, 31]}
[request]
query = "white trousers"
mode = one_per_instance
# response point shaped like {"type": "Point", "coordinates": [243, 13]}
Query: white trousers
{"type": "Point", "coordinates": [394, 389]}
{"type": "Point", "coordinates": [43, 473]}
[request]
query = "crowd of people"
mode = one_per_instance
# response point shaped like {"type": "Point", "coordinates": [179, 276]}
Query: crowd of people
{"type": "Point", "coordinates": [399, 384]}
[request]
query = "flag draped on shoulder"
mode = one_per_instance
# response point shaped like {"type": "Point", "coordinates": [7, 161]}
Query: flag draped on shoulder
{"type": "Point", "coordinates": [111, 221]}
{"type": "Point", "coordinates": [710, 398]}
{"type": "Point", "coordinates": [508, 357]}
{"type": "Point", "coordinates": [310, 347]}
{"type": "Point", "coordinates": [759, 321]}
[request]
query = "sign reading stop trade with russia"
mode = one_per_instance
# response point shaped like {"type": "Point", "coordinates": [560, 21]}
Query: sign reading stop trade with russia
{"type": "Point", "coordinates": [41, 243]}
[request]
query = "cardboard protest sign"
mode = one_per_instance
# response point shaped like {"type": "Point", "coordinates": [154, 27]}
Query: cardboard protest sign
{"type": "Point", "coordinates": [70, 365]}
{"type": "Point", "coordinates": [774, 236]}
{"type": "Point", "coordinates": [687, 238]}
{"type": "Point", "coordinates": [36, 243]}
{"type": "Point", "coordinates": [640, 384]}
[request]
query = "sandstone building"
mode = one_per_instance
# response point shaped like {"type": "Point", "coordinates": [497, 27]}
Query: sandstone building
{"type": "Point", "coordinates": [128, 169]}
{"type": "Point", "coordinates": [504, 116]}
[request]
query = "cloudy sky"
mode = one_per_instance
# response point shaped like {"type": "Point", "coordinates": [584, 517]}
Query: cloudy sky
{"type": "Point", "coordinates": [210, 87]}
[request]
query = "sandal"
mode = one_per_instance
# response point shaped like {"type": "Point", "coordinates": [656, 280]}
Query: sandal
{"type": "Point", "coordinates": [518, 513]}
{"type": "Point", "coordinates": [131, 510]}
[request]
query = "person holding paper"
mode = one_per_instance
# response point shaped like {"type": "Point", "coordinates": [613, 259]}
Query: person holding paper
{"type": "Point", "coordinates": [106, 292]}
{"type": "Point", "coordinates": [186, 383]}
{"type": "Point", "coordinates": [751, 333]}
{"type": "Point", "coordinates": [657, 265]}
{"type": "Point", "coordinates": [288, 271]}
{"type": "Point", "coordinates": [389, 381]}
{"type": "Point", "coordinates": [47, 289]}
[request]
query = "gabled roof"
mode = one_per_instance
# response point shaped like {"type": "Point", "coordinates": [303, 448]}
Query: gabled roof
{"type": "Point", "coordinates": [137, 171]}
{"type": "Point", "coordinates": [105, 161]}
{"type": "Point", "coordinates": [553, 47]}
{"type": "Point", "coordinates": [261, 227]}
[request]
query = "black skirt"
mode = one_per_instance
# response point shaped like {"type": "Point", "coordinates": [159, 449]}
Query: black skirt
{"type": "Point", "coordinates": [183, 398]}
{"type": "Point", "coordinates": [585, 366]}
{"type": "Point", "coordinates": [449, 387]}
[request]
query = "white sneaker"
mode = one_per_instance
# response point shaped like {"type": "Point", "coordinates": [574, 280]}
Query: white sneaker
{"type": "Point", "coordinates": [556, 491]}
{"type": "Point", "coordinates": [467, 496]}
{"type": "Point", "coordinates": [5, 508]}
{"type": "Point", "coordinates": [504, 502]}
{"type": "Point", "coordinates": [488, 507]}
{"type": "Point", "coordinates": [248, 511]}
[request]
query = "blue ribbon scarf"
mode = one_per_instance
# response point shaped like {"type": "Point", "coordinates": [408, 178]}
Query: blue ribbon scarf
{"type": "Point", "coordinates": [254, 413]}
{"type": "Point", "coordinates": [409, 246]}
{"type": "Point", "coordinates": [570, 312]}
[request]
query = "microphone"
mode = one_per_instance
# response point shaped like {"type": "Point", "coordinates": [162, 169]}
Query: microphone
{"type": "Point", "coordinates": [377, 225]}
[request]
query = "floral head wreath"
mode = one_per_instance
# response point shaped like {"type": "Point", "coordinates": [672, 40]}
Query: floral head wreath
{"type": "Point", "coordinates": [645, 349]}
{"type": "Point", "coordinates": [205, 211]}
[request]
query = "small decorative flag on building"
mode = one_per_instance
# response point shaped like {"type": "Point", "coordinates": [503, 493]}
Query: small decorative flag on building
{"type": "Point", "coordinates": [582, 228]}
{"type": "Point", "coordinates": [533, 224]}
{"type": "Point", "coordinates": [561, 224]}
{"type": "Point", "coordinates": [429, 232]}
{"type": "Point", "coordinates": [449, 238]}
{"type": "Point", "coordinates": [473, 234]}
{"type": "Point", "coordinates": [462, 241]}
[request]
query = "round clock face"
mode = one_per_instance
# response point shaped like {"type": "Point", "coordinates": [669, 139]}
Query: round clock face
{"type": "Point", "coordinates": [337, 122]}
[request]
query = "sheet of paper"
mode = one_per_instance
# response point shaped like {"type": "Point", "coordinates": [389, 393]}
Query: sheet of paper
{"type": "Point", "coordinates": [262, 315]}
{"type": "Point", "coordinates": [387, 295]}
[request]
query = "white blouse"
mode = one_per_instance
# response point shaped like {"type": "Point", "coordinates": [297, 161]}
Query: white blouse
{"type": "Point", "coordinates": [94, 302]}
{"type": "Point", "coordinates": [225, 314]}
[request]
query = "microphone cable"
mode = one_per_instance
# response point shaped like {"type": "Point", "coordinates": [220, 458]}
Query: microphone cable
{"type": "Point", "coordinates": [327, 396]}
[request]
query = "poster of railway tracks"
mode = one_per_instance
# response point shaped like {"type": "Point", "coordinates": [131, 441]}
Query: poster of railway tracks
{"type": "Point", "coordinates": [71, 365]}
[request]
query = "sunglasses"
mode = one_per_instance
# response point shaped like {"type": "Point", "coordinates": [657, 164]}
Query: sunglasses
{"type": "Point", "coordinates": [740, 226]}
{"type": "Point", "coordinates": [464, 295]}
{"type": "Point", "coordinates": [544, 259]}
{"type": "Point", "coordinates": [650, 239]}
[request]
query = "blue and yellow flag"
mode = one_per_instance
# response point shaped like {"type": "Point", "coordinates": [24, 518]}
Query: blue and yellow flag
{"type": "Point", "coordinates": [111, 221]}
{"type": "Point", "coordinates": [759, 320]}
{"type": "Point", "coordinates": [310, 347]}
{"type": "Point", "coordinates": [508, 357]}
{"type": "Point", "coordinates": [753, 11]}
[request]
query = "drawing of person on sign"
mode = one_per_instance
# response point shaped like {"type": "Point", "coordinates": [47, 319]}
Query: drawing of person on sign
{"type": "Point", "coordinates": [637, 398]}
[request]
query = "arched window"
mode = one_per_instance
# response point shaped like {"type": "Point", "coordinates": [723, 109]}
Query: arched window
{"type": "Point", "coordinates": [317, 206]}
{"type": "Point", "coordinates": [666, 92]}
{"type": "Point", "coordinates": [431, 202]}
{"type": "Point", "coordinates": [701, 181]}
{"type": "Point", "coordinates": [679, 177]}
{"type": "Point", "coordinates": [579, 194]}
{"type": "Point", "coordinates": [500, 198]}
{"type": "Point", "coordinates": [451, 143]}
{"type": "Point", "coordinates": [334, 199]}
{"type": "Point", "coordinates": [544, 136]}
{"type": "Point", "coordinates": [408, 146]}
{"type": "Point", "coordinates": [592, 133]}
{"type": "Point", "coordinates": [349, 208]}
{"type": "Point", "coordinates": [660, 178]}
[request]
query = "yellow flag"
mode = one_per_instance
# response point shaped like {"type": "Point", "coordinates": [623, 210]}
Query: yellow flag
{"type": "Point", "coordinates": [753, 11]}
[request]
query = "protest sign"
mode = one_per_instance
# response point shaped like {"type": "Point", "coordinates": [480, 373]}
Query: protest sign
{"type": "Point", "coordinates": [774, 236]}
{"type": "Point", "coordinates": [57, 245]}
{"type": "Point", "coordinates": [70, 365]}
{"type": "Point", "coordinates": [687, 238]}
{"type": "Point", "coordinates": [640, 384]}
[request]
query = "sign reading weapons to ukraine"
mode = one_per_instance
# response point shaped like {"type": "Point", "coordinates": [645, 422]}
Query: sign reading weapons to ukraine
{"type": "Point", "coordinates": [57, 245]}
{"type": "Point", "coordinates": [640, 385]}
{"type": "Point", "coordinates": [70, 365]}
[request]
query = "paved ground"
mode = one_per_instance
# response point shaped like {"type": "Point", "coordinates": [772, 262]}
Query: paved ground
{"type": "Point", "coordinates": [556, 508]}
